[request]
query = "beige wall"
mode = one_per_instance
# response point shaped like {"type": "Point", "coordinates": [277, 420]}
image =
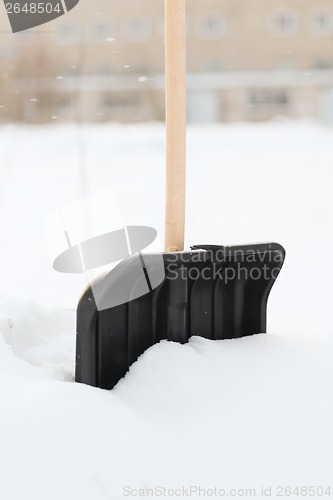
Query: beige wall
{"type": "Point", "coordinates": [248, 41]}
{"type": "Point", "coordinates": [244, 37]}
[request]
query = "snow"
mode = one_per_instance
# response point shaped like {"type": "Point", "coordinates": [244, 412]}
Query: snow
{"type": "Point", "coordinates": [237, 414]}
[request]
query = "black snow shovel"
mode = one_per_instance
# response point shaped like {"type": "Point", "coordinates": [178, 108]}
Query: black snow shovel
{"type": "Point", "coordinates": [212, 291]}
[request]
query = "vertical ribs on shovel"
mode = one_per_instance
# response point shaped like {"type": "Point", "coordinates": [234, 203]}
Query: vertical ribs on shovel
{"type": "Point", "coordinates": [213, 291]}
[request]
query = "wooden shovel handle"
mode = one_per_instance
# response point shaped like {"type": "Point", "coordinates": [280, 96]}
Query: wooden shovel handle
{"type": "Point", "coordinates": [175, 69]}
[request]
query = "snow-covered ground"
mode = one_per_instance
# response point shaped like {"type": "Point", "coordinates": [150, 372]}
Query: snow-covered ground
{"type": "Point", "coordinates": [232, 414]}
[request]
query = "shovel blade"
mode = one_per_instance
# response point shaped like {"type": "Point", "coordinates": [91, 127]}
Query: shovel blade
{"type": "Point", "coordinates": [213, 292]}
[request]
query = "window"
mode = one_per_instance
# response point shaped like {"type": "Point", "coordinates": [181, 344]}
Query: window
{"type": "Point", "coordinates": [7, 52]}
{"type": "Point", "coordinates": [323, 64]}
{"type": "Point", "coordinates": [272, 98]}
{"type": "Point", "coordinates": [138, 29]}
{"type": "Point", "coordinates": [212, 26]}
{"type": "Point", "coordinates": [321, 24]}
{"type": "Point", "coordinates": [103, 69]}
{"type": "Point", "coordinates": [284, 24]}
{"type": "Point", "coordinates": [286, 64]}
{"type": "Point", "coordinates": [68, 32]}
{"type": "Point", "coordinates": [62, 101]}
{"type": "Point", "coordinates": [103, 30]}
{"type": "Point", "coordinates": [212, 66]}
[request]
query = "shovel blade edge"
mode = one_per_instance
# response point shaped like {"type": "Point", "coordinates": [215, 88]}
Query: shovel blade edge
{"type": "Point", "coordinates": [212, 291]}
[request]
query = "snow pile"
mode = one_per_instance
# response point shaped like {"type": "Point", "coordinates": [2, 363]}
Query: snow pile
{"type": "Point", "coordinates": [236, 414]}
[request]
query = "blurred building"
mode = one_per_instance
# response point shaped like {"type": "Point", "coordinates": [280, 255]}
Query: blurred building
{"type": "Point", "coordinates": [247, 60]}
